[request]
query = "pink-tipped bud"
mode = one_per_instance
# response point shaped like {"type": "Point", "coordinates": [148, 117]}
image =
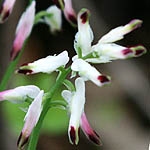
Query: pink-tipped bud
{"type": "Point", "coordinates": [69, 12]}
{"type": "Point", "coordinates": [31, 119]}
{"type": "Point", "coordinates": [23, 30]}
{"type": "Point", "coordinates": [6, 9]}
{"type": "Point", "coordinates": [89, 132]}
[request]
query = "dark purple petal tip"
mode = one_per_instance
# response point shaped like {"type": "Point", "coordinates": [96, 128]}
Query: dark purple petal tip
{"type": "Point", "coordinates": [95, 138]}
{"type": "Point", "coordinates": [84, 17]}
{"type": "Point", "coordinates": [25, 71]}
{"type": "Point", "coordinates": [18, 141]}
{"type": "Point", "coordinates": [103, 79]}
{"type": "Point", "coordinates": [139, 52]}
{"type": "Point", "coordinates": [22, 141]}
{"type": "Point", "coordinates": [4, 15]}
{"type": "Point", "coordinates": [73, 19]}
{"type": "Point", "coordinates": [127, 51]}
{"type": "Point", "coordinates": [73, 135]}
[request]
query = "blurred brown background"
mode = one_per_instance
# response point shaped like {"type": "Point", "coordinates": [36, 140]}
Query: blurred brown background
{"type": "Point", "coordinates": [120, 113]}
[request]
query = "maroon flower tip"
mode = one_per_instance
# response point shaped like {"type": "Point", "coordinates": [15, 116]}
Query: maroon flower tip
{"type": "Point", "coordinates": [84, 17]}
{"type": "Point", "coordinates": [57, 3]}
{"type": "Point", "coordinates": [95, 139]}
{"type": "Point", "coordinates": [19, 139]}
{"type": "Point", "coordinates": [25, 141]}
{"type": "Point", "coordinates": [139, 52]}
{"type": "Point", "coordinates": [103, 79]}
{"type": "Point", "coordinates": [127, 51]}
{"type": "Point", "coordinates": [73, 19]}
{"type": "Point", "coordinates": [73, 134]}
{"type": "Point", "coordinates": [6, 15]}
{"type": "Point", "coordinates": [22, 141]}
{"type": "Point", "coordinates": [25, 71]}
{"type": "Point", "coordinates": [96, 134]}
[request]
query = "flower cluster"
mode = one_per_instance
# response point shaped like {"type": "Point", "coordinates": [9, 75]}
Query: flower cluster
{"type": "Point", "coordinates": [103, 52]}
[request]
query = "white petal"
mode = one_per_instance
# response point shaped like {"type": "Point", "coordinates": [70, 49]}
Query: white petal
{"type": "Point", "coordinates": [45, 65]}
{"type": "Point", "coordinates": [112, 51]}
{"type": "Point", "coordinates": [102, 59]}
{"type": "Point", "coordinates": [87, 71]}
{"type": "Point", "coordinates": [67, 95]}
{"type": "Point", "coordinates": [77, 108]}
{"type": "Point", "coordinates": [19, 94]}
{"type": "Point", "coordinates": [119, 32]}
{"type": "Point", "coordinates": [35, 109]}
{"type": "Point", "coordinates": [55, 21]}
{"type": "Point", "coordinates": [84, 36]}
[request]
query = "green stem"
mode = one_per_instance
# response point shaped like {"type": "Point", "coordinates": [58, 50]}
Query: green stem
{"type": "Point", "coordinates": [41, 14]}
{"type": "Point", "coordinates": [35, 133]}
{"type": "Point", "coordinates": [11, 69]}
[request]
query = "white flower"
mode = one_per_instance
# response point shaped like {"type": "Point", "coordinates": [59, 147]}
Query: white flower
{"type": "Point", "coordinates": [54, 21]}
{"type": "Point", "coordinates": [31, 119]}
{"type": "Point", "coordinates": [119, 32]}
{"type": "Point", "coordinates": [76, 101]}
{"type": "Point", "coordinates": [24, 29]}
{"type": "Point", "coordinates": [84, 36]}
{"type": "Point", "coordinates": [19, 94]}
{"type": "Point", "coordinates": [88, 72]}
{"type": "Point", "coordinates": [45, 65]}
{"type": "Point", "coordinates": [105, 50]}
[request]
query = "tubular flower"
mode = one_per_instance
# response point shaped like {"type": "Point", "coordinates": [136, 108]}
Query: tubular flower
{"type": "Point", "coordinates": [88, 72]}
{"type": "Point", "coordinates": [84, 36]}
{"type": "Point", "coordinates": [6, 9]}
{"type": "Point", "coordinates": [19, 94]}
{"type": "Point", "coordinates": [66, 7]}
{"type": "Point", "coordinates": [45, 65]}
{"type": "Point", "coordinates": [76, 101]}
{"type": "Point", "coordinates": [105, 50]}
{"type": "Point", "coordinates": [23, 30]}
{"type": "Point", "coordinates": [55, 21]}
{"type": "Point", "coordinates": [31, 119]}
